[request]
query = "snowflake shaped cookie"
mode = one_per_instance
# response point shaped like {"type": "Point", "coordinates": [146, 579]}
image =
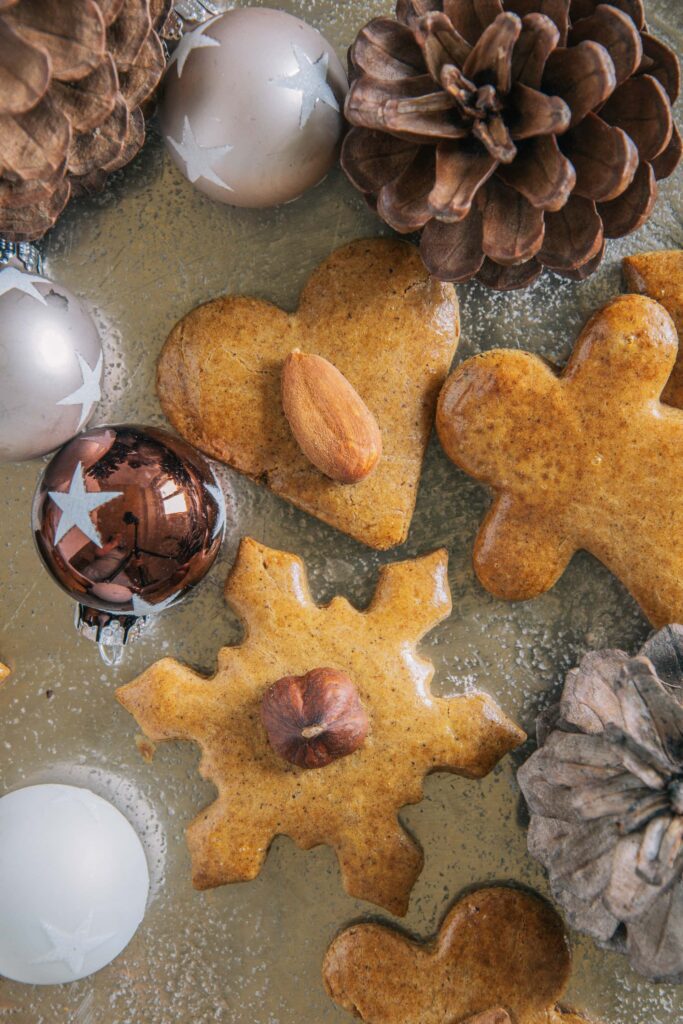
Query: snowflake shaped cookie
{"type": "Point", "coordinates": [351, 804]}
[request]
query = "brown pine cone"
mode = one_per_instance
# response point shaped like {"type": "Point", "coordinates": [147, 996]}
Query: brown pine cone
{"type": "Point", "coordinates": [514, 134]}
{"type": "Point", "coordinates": [74, 76]}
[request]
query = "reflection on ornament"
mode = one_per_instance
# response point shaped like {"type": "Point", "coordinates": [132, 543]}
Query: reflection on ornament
{"type": "Point", "coordinates": [262, 91]}
{"type": "Point", "coordinates": [77, 506]}
{"type": "Point", "coordinates": [127, 520]}
{"type": "Point", "coordinates": [51, 357]}
{"type": "Point", "coordinates": [89, 393]}
{"type": "Point", "coordinates": [191, 41]}
{"type": "Point", "coordinates": [198, 158]}
{"type": "Point", "coordinates": [311, 81]}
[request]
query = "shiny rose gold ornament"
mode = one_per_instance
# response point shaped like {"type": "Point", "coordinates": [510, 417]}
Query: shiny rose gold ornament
{"type": "Point", "coordinates": [127, 520]}
{"type": "Point", "coordinates": [251, 107]}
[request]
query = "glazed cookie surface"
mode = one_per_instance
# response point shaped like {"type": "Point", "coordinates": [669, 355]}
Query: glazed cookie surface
{"type": "Point", "coordinates": [372, 310]}
{"type": "Point", "coordinates": [587, 459]}
{"type": "Point", "coordinates": [660, 276]}
{"type": "Point", "coordinates": [501, 956]}
{"type": "Point", "coordinates": [351, 804]}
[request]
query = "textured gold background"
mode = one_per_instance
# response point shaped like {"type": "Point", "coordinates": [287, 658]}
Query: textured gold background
{"type": "Point", "coordinates": [142, 254]}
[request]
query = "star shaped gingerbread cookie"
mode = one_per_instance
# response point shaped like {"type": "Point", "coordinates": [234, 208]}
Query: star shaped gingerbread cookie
{"type": "Point", "coordinates": [501, 957]}
{"type": "Point", "coordinates": [586, 459]}
{"type": "Point", "coordinates": [219, 379]}
{"type": "Point", "coordinates": [395, 730]}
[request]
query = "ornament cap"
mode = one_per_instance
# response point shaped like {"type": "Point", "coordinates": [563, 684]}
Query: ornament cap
{"type": "Point", "coordinates": [110, 632]}
{"type": "Point", "coordinates": [23, 255]}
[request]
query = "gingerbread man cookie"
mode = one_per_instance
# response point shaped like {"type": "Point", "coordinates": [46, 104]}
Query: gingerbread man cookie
{"type": "Point", "coordinates": [660, 275]}
{"type": "Point", "coordinates": [373, 311]}
{"type": "Point", "coordinates": [501, 957]}
{"type": "Point", "coordinates": [369, 732]}
{"type": "Point", "coordinates": [588, 458]}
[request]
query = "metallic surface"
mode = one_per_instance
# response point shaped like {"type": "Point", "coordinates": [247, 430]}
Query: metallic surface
{"type": "Point", "coordinates": [142, 254]}
{"type": "Point", "coordinates": [159, 525]}
{"type": "Point", "coordinates": [40, 342]}
{"type": "Point", "coordinates": [248, 129]}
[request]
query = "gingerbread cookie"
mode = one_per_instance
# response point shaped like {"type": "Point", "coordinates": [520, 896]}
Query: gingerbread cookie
{"type": "Point", "coordinates": [588, 458]}
{"type": "Point", "coordinates": [4, 672]}
{"type": "Point", "coordinates": [371, 310]}
{"type": "Point", "coordinates": [660, 275]}
{"type": "Point", "coordinates": [501, 957]}
{"type": "Point", "coordinates": [351, 800]}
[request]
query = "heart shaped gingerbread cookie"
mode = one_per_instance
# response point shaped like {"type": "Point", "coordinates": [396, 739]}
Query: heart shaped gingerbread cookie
{"type": "Point", "coordinates": [372, 310]}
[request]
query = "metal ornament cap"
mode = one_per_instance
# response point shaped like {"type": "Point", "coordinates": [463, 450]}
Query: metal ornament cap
{"type": "Point", "coordinates": [127, 520]}
{"type": "Point", "coordinates": [252, 107]}
{"type": "Point", "coordinates": [51, 364]}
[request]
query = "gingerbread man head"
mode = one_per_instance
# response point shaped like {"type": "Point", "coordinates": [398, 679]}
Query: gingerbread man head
{"type": "Point", "coordinates": [587, 459]}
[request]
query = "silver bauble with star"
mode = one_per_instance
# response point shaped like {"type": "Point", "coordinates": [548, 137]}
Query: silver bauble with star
{"type": "Point", "coordinates": [252, 107]}
{"type": "Point", "coordinates": [50, 365]}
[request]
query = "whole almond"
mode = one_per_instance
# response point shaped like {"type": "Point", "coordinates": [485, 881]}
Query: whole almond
{"type": "Point", "coordinates": [330, 421]}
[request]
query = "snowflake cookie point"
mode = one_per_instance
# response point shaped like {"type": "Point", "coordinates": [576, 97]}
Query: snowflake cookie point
{"type": "Point", "coordinates": [351, 803]}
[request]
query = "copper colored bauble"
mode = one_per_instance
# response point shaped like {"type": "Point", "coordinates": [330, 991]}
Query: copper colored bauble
{"type": "Point", "coordinates": [75, 78]}
{"type": "Point", "coordinates": [251, 107]}
{"type": "Point", "coordinates": [514, 134]}
{"type": "Point", "coordinates": [127, 520]}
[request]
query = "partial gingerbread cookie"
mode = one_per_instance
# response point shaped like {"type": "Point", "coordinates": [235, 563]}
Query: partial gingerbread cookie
{"type": "Point", "coordinates": [501, 957]}
{"type": "Point", "coordinates": [373, 312]}
{"type": "Point", "coordinates": [588, 458]}
{"type": "Point", "coordinates": [321, 724]}
{"type": "Point", "coordinates": [660, 275]}
{"type": "Point", "coordinates": [4, 672]}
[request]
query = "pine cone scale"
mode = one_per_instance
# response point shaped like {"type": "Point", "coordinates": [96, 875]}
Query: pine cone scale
{"type": "Point", "coordinates": [537, 40]}
{"type": "Point", "coordinates": [88, 102]}
{"type": "Point", "coordinates": [460, 173]}
{"type": "Point", "coordinates": [651, 133]}
{"type": "Point", "coordinates": [541, 173]}
{"type": "Point", "coordinates": [604, 157]}
{"type": "Point", "coordinates": [75, 47]}
{"type": "Point", "coordinates": [36, 142]}
{"type": "Point", "coordinates": [513, 230]}
{"type": "Point", "coordinates": [24, 72]}
{"type": "Point", "coordinates": [616, 32]}
{"type": "Point", "coordinates": [632, 208]}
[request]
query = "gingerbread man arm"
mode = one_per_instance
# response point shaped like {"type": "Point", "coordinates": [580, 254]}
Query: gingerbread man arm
{"type": "Point", "coordinates": [380, 862]}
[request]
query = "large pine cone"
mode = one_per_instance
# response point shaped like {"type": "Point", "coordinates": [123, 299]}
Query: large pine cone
{"type": "Point", "coordinates": [515, 134]}
{"type": "Point", "coordinates": [73, 77]}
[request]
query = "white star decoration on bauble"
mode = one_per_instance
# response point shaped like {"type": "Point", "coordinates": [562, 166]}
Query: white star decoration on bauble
{"type": "Point", "coordinates": [142, 607]}
{"type": "Point", "coordinates": [13, 280]}
{"type": "Point", "coordinates": [311, 81]}
{"type": "Point", "coordinates": [76, 505]}
{"type": "Point", "coordinates": [71, 948]}
{"type": "Point", "coordinates": [89, 393]}
{"type": "Point", "coordinates": [195, 40]}
{"type": "Point", "coordinates": [216, 492]}
{"type": "Point", "coordinates": [198, 158]}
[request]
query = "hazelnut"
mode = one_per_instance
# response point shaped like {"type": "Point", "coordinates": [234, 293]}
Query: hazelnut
{"type": "Point", "coordinates": [313, 720]}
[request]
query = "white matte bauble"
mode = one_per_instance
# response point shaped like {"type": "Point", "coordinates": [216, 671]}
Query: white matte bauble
{"type": "Point", "coordinates": [252, 106]}
{"type": "Point", "coordinates": [73, 884]}
{"type": "Point", "coordinates": [50, 365]}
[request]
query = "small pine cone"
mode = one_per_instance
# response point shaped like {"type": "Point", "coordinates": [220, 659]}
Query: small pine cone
{"type": "Point", "coordinates": [514, 134]}
{"type": "Point", "coordinates": [605, 796]}
{"type": "Point", "coordinates": [74, 78]}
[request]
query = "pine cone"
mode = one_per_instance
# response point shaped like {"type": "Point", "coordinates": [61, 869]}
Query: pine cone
{"type": "Point", "coordinates": [605, 792]}
{"type": "Point", "coordinates": [74, 75]}
{"type": "Point", "coordinates": [515, 134]}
